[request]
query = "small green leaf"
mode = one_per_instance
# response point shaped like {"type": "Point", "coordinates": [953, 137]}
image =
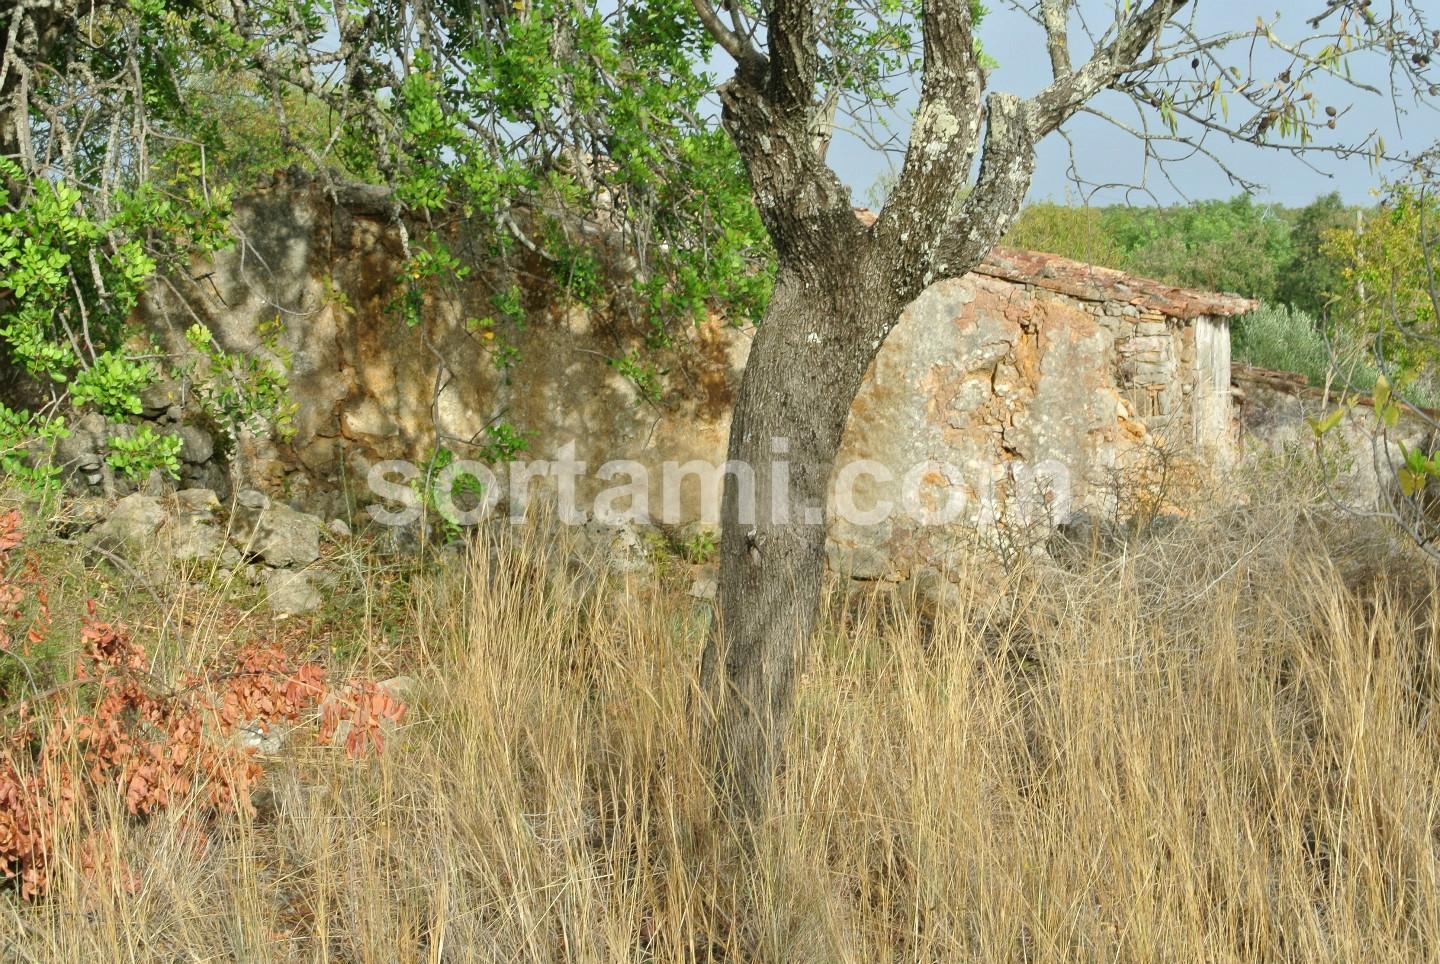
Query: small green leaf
{"type": "Point", "coordinates": [1322, 426]}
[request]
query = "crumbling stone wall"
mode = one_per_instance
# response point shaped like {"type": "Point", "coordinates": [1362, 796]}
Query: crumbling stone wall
{"type": "Point", "coordinates": [1039, 397]}
{"type": "Point", "coordinates": [1032, 361]}
{"type": "Point", "coordinates": [1275, 412]}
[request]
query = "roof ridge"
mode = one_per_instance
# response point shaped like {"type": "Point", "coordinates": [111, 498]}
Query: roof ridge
{"type": "Point", "coordinates": [1097, 283]}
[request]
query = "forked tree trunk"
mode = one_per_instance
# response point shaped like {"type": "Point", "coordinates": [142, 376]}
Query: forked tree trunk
{"type": "Point", "coordinates": [805, 369]}
{"type": "Point", "coordinates": [840, 290]}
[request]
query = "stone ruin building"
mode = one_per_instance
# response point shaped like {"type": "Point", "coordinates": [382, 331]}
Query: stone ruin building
{"type": "Point", "coordinates": [1031, 367]}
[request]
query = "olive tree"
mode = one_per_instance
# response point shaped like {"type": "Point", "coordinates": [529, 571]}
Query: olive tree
{"type": "Point", "coordinates": [841, 282]}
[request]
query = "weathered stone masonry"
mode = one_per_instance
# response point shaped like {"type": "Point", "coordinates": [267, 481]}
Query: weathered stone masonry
{"type": "Point", "coordinates": [1030, 365]}
{"type": "Point", "coordinates": [1031, 359]}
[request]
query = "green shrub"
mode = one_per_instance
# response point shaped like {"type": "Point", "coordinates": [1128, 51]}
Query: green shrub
{"type": "Point", "coordinates": [1233, 245]}
{"type": "Point", "coordinates": [1313, 275]}
{"type": "Point", "coordinates": [243, 390]}
{"type": "Point", "coordinates": [503, 443]}
{"type": "Point", "coordinates": [1285, 339]}
{"type": "Point", "coordinates": [1079, 233]}
{"type": "Point", "coordinates": [145, 451]}
{"type": "Point", "coordinates": [113, 384]}
{"type": "Point", "coordinates": [1290, 340]}
{"type": "Point", "coordinates": [701, 547]}
{"type": "Point", "coordinates": [19, 432]}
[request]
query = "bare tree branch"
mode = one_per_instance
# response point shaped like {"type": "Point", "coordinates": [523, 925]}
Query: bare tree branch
{"type": "Point", "coordinates": [1058, 102]}
{"type": "Point", "coordinates": [1054, 15]}
{"type": "Point", "coordinates": [733, 43]}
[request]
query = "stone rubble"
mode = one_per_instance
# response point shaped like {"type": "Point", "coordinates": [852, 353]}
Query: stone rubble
{"type": "Point", "coordinates": [276, 548]}
{"type": "Point", "coordinates": [264, 542]}
{"type": "Point", "coordinates": [273, 531]}
{"type": "Point", "coordinates": [291, 593]}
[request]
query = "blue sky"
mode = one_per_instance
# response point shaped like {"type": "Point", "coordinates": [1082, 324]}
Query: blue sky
{"type": "Point", "coordinates": [1104, 154]}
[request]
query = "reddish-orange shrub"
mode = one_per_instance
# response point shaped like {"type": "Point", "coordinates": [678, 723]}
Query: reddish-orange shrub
{"type": "Point", "coordinates": [117, 729]}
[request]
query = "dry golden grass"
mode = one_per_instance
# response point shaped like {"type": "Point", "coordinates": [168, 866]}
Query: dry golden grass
{"type": "Point", "coordinates": [1218, 746]}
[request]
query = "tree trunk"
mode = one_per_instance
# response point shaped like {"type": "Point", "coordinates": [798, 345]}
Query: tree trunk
{"type": "Point", "coordinates": [805, 367]}
{"type": "Point", "coordinates": [840, 290]}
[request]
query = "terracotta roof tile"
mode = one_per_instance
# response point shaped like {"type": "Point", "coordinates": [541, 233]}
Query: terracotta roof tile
{"type": "Point", "coordinates": [1089, 282]}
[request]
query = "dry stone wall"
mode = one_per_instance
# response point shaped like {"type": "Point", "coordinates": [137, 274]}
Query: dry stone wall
{"type": "Point", "coordinates": [993, 385]}
{"type": "Point", "coordinates": [1275, 412]}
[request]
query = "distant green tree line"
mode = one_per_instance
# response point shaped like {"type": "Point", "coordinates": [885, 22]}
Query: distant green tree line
{"type": "Point", "coordinates": [1266, 251]}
